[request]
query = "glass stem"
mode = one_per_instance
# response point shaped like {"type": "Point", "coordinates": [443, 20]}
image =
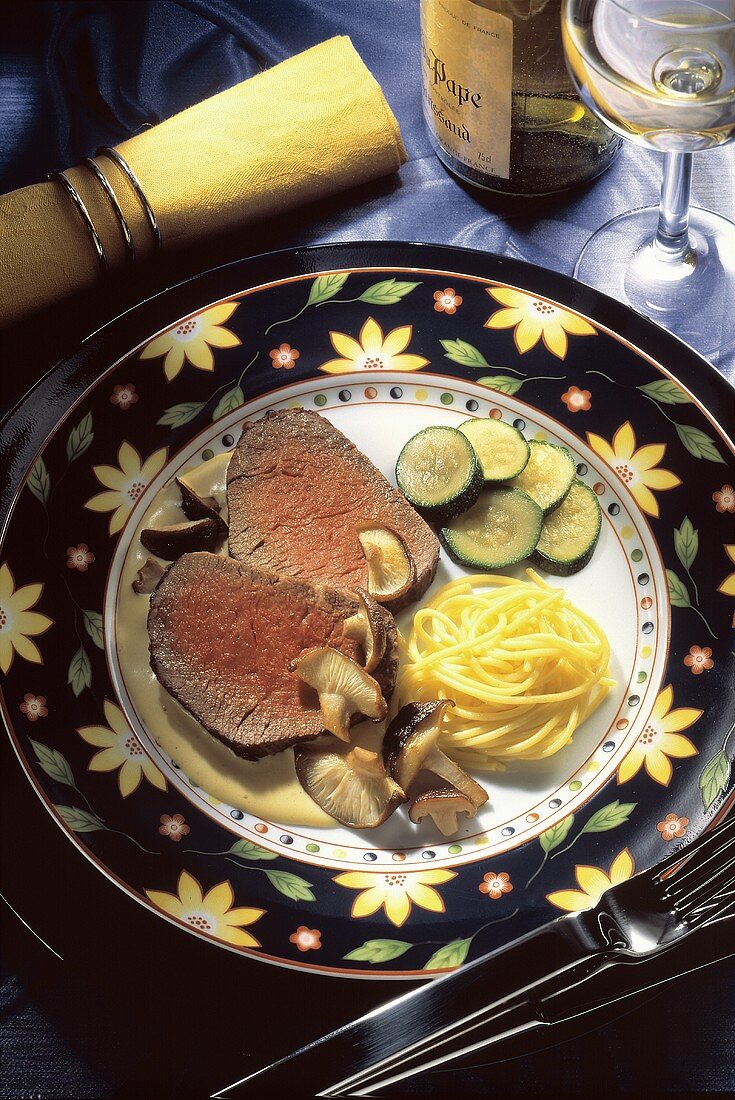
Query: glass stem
{"type": "Point", "coordinates": [672, 236]}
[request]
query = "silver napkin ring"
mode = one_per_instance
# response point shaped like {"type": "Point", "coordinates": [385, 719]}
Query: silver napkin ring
{"type": "Point", "coordinates": [84, 215]}
{"type": "Point", "coordinates": [106, 186]}
{"type": "Point", "coordinates": [108, 151]}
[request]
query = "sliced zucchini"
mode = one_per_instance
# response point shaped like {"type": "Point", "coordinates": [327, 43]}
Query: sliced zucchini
{"type": "Point", "coordinates": [569, 535]}
{"type": "Point", "coordinates": [439, 473]}
{"type": "Point", "coordinates": [502, 450]}
{"type": "Point", "coordinates": [548, 476]}
{"type": "Point", "coordinates": [503, 527]}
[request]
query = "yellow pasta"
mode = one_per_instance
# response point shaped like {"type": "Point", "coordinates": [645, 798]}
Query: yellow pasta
{"type": "Point", "coordinates": [522, 664]}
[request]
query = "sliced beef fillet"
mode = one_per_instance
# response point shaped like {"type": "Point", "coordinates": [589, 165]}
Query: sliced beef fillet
{"type": "Point", "coordinates": [296, 490]}
{"type": "Point", "coordinates": [221, 636]}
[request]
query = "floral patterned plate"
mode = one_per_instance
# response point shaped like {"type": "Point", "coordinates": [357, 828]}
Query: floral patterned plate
{"type": "Point", "coordinates": [382, 340]}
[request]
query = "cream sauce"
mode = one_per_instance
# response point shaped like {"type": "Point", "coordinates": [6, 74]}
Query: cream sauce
{"type": "Point", "coordinates": [266, 788]}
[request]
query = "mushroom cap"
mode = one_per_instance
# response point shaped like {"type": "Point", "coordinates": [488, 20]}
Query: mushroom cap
{"type": "Point", "coordinates": [391, 569]}
{"type": "Point", "coordinates": [345, 690]}
{"type": "Point", "coordinates": [411, 745]}
{"type": "Point", "coordinates": [442, 804]}
{"type": "Point", "coordinates": [351, 785]}
{"type": "Point", "coordinates": [195, 506]}
{"type": "Point", "coordinates": [411, 737]}
{"type": "Point", "coordinates": [172, 542]}
{"type": "Point", "coordinates": [367, 626]}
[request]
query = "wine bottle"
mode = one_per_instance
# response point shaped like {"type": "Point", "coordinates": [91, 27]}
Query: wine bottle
{"type": "Point", "coordinates": [500, 108]}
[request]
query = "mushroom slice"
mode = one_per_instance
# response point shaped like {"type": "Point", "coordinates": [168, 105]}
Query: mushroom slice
{"type": "Point", "coordinates": [442, 804]}
{"type": "Point", "coordinates": [411, 746]}
{"type": "Point", "coordinates": [345, 690]}
{"type": "Point", "coordinates": [195, 506]}
{"type": "Point", "coordinates": [391, 569]}
{"type": "Point", "coordinates": [148, 576]}
{"type": "Point", "coordinates": [181, 538]}
{"type": "Point", "coordinates": [352, 786]}
{"type": "Point", "coordinates": [367, 626]}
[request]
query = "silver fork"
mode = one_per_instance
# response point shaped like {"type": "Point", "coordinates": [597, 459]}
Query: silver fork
{"type": "Point", "coordinates": [536, 980]}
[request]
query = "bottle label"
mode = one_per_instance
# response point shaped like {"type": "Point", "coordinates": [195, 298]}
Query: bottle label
{"type": "Point", "coordinates": [467, 82]}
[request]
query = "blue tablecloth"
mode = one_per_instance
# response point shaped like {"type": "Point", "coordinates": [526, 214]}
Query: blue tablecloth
{"type": "Point", "coordinates": [74, 76]}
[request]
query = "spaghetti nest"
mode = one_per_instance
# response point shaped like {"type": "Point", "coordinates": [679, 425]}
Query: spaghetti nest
{"type": "Point", "coordinates": [522, 664]}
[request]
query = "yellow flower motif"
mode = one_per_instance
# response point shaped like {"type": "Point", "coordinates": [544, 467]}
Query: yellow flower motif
{"type": "Point", "coordinates": [373, 351]}
{"type": "Point", "coordinates": [534, 318]}
{"type": "Point", "coordinates": [211, 913]}
{"type": "Point", "coordinates": [660, 740]}
{"type": "Point", "coordinates": [394, 891]}
{"type": "Point", "coordinates": [120, 748]}
{"type": "Point", "coordinates": [635, 468]}
{"type": "Point", "coordinates": [193, 340]}
{"type": "Point", "coordinates": [727, 588]}
{"type": "Point", "coordinates": [593, 883]}
{"type": "Point", "coordinates": [18, 623]}
{"type": "Point", "coordinates": [125, 483]}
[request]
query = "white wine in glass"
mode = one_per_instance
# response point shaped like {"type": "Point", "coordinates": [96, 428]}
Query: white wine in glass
{"type": "Point", "coordinates": [662, 73]}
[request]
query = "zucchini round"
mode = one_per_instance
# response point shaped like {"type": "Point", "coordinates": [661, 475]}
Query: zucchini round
{"type": "Point", "coordinates": [502, 450]}
{"type": "Point", "coordinates": [501, 528]}
{"type": "Point", "coordinates": [438, 472]}
{"type": "Point", "coordinates": [569, 535]}
{"type": "Point", "coordinates": [548, 476]}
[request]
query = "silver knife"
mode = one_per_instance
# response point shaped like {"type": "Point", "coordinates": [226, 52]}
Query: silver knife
{"type": "Point", "coordinates": [544, 977]}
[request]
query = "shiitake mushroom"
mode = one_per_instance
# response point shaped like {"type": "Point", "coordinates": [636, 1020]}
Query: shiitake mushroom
{"type": "Point", "coordinates": [350, 784]}
{"type": "Point", "coordinates": [411, 746]}
{"type": "Point", "coordinates": [391, 569]}
{"type": "Point", "coordinates": [148, 576]}
{"type": "Point", "coordinates": [367, 626]}
{"type": "Point", "coordinates": [442, 805]}
{"type": "Point", "coordinates": [345, 690]}
{"type": "Point", "coordinates": [195, 506]}
{"type": "Point", "coordinates": [181, 538]}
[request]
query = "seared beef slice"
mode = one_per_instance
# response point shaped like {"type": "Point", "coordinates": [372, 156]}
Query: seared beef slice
{"type": "Point", "coordinates": [221, 635]}
{"type": "Point", "coordinates": [296, 488]}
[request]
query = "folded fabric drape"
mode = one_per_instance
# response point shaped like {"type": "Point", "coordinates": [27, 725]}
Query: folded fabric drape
{"type": "Point", "coordinates": [309, 127]}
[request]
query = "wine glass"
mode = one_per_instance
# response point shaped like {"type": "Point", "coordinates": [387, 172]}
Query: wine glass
{"type": "Point", "coordinates": [662, 73]}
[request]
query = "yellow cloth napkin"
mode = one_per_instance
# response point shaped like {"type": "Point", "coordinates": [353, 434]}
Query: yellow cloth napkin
{"type": "Point", "coordinates": [307, 128]}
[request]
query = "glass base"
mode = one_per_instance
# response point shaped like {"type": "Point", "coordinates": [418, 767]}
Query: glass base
{"type": "Point", "coordinates": [692, 297]}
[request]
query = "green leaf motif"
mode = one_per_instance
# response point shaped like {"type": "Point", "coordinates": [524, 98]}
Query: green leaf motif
{"type": "Point", "coordinates": [79, 820]}
{"type": "Point", "coordinates": [459, 351]}
{"type": "Point", "coordinates": [451, 954]}
{"type": "Point", "coordinates": [677, 590]}
{"type": "Point", "coordinates": [378, 951]}
{"type": "Point", "coordinates": [686, 543]}
{"type": "Point", "coordinates": [666, 391]}
{"type": "Point", "coordinates": [53, 763]}
{"type": "Point", "coordinates": [80, 438]}
{"type": "Point", "coordinates": [93, 626]}
{"type": "Point", "coordinates": [714, 777]}
{"type": "Point", "coordinates": [176, 415]}
{"type": "Point", "coordinates": [245, 849]}
{"type": "Point", "coordinates": [325, 287]}
{"type": "Point", "coordinates": [386, 293]}
{"type": "Point", "coordinates": [609, 817]}
{"type": "Point", "coordinates": [298, 889]}
{"type": "Point", "coordinates": [557, 834]}
{"type": "Point", "coordinates": [233, 399]}
{"type": "Point", "coordinates": [698, 443]}
{"type": "Point", "coordinates": [80, 672]}
{"type": "Point", "coordinates": [501, 382]}
{"type": "Point", "coordinates": [39, 481]}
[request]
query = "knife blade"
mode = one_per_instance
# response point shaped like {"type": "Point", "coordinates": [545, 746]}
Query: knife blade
{"type": "Point", "coordinates": [368, 1053]}
{"type": "Point", "coordinates": [386, 1033]}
